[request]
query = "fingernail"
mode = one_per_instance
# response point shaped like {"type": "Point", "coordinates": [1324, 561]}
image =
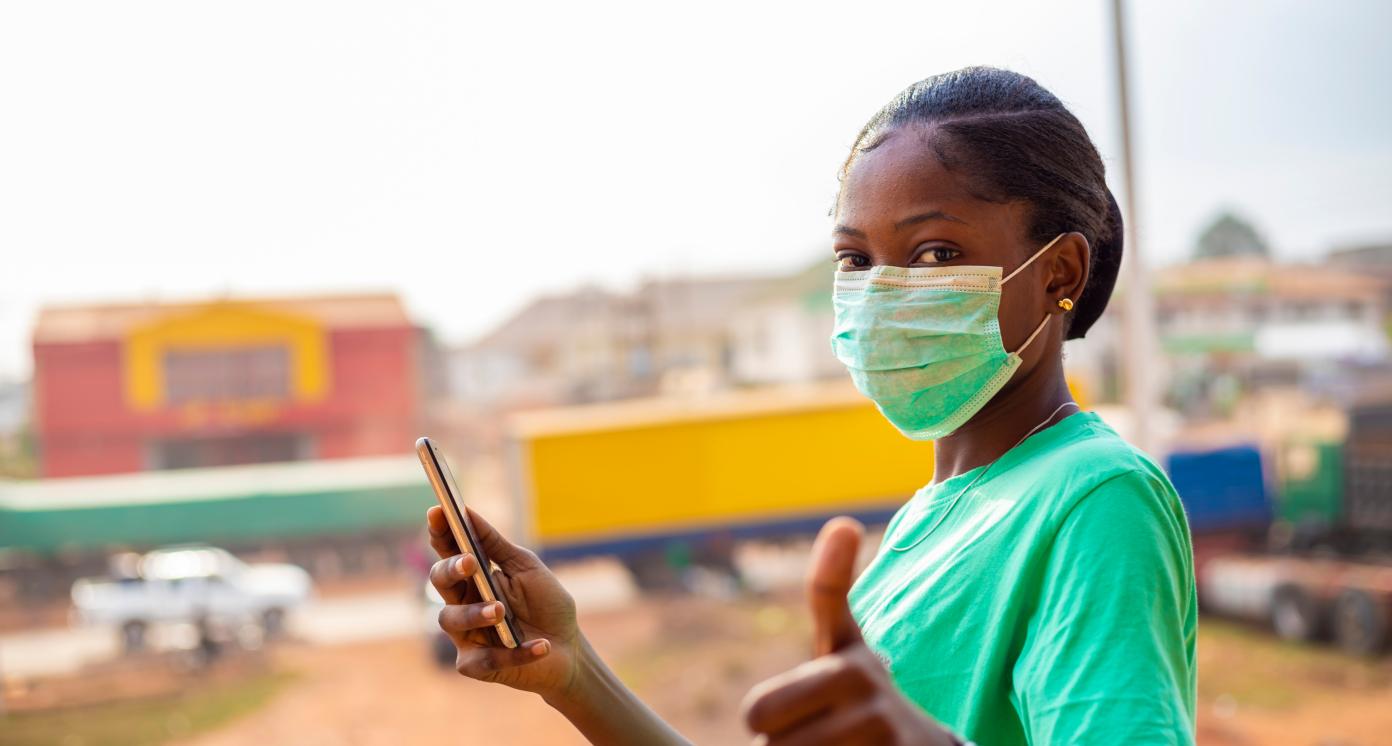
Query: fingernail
{"type": "Point", "coordinates": [541, 648]}
{"type": "Point", "coordinates": [490, 612]}
{"type": "Point", "coordinates": [459, 564]}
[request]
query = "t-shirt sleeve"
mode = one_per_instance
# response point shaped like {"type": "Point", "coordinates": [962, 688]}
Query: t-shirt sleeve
{"type": "Point", "coordinates": [1109, 651]}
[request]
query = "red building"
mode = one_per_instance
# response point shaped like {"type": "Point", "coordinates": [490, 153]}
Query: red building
{"type": "Point", "coordinates": [120, 388]}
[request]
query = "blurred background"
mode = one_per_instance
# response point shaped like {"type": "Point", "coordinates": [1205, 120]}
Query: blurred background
{"type": "Point", "coordinates": [253, 250]}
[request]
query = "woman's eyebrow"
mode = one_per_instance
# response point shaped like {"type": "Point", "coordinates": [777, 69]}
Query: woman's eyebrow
{"type": "Point", "coordinates": [846, 230]}
{"type": "Point", "coordinates": [926, 216]}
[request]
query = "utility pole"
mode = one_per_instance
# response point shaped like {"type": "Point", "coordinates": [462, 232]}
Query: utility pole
{"type": "Point", "coordinates": [1138, 347]}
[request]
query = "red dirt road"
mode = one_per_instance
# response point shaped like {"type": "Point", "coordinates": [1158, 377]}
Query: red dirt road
{"type": "Point", "coordinates": [693, 659]}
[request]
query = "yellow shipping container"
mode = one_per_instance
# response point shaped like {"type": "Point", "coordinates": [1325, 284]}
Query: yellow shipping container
{"type": "Point", "coordinates": [620, 477]}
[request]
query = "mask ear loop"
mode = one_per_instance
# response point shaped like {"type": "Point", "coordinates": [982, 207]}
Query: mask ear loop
{"type": "Point", "coordinates": [1017, 271]}
{"type": "Point", "coordinates": [1034, 334]}
{"type": "Point", "coordinates": [1037, 254]}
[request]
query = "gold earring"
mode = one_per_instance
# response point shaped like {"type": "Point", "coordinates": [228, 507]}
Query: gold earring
{"type": "Point", "coordinates": [1066, 304]}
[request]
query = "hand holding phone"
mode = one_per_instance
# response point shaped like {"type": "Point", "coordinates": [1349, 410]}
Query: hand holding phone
{"type": "Point", "coordinates": [555, 661]}
{"type": "Point", "coordinates": [452, 502]}
{"type": "Point", "coordinates": [539, 611]}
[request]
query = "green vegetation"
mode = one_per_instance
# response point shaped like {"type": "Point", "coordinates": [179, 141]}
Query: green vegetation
{"type": "Point", "coordinates": [18, 455]}
{"type": "Point", "coordinates": [1229, 235]}
{"type": "Point", "coordinates": [143, 722]}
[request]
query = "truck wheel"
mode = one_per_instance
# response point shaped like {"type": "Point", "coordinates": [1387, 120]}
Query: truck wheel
{"type": "Point", "coordinates": [652, 573]}
{"type": "Point", "coordinates": [1294, 615]}
{"type": "Point", "coordinates": [273, 623]}
{"type": "Point", "coordinates": [133, 636]}
{"type": "Point", "coordinates": [1360, 624]}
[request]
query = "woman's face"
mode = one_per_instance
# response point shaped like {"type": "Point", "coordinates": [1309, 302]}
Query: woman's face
{"type": "Point", "coordinates": [900, 206]}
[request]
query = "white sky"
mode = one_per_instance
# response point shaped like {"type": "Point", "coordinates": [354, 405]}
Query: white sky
{"type": "Point", "coordinates": [471, 155]}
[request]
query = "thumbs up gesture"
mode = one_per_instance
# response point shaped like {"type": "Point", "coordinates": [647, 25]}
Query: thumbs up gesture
{"type": "Point", "coordinates": [829, 582]}
{"type": "Point", "coordinates": [844, 695]}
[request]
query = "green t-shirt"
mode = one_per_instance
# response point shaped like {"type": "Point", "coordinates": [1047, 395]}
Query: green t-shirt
{"type": "Point", "coordinates": [1054, 604]}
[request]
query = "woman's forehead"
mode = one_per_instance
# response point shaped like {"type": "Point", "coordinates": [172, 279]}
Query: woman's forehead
{"type": "Point", "coordinates": [904, 175]}
{"type": "Point", "coordinates": [903, 168]}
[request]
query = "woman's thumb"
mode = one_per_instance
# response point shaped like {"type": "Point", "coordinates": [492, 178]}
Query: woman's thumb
{"type": "Point", "coordinates": [828, 583]}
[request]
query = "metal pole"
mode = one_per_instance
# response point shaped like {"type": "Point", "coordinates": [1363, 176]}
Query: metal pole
{"type": "Point", "coordinates": [1137, 347]}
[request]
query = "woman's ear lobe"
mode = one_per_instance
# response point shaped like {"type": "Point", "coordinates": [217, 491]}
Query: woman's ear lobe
{"type": "Point", "coordinates": [1070, 267]}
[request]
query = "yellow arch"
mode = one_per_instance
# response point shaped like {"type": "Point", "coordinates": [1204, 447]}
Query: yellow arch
{"type": "Point", "coordinates": [219, 325]}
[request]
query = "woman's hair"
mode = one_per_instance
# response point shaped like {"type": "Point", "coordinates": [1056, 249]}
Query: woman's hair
{"type": "Point", "coordinates": [1012, 140]}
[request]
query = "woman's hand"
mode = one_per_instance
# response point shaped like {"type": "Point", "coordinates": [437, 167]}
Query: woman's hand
{"type": "Point", "coordinates": [547, 662]}
{"type": "Point", "coordinates": [555, 661]}
{"type": "Point", "coordinates": [845, 695]}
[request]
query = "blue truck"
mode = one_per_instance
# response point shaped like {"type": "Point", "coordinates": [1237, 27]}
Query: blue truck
{"type": "Point", "coordinates": [1261, 553]}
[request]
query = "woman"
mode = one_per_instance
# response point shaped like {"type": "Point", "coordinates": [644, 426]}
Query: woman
{"type": "Point", "coordinates": [1040, 589]}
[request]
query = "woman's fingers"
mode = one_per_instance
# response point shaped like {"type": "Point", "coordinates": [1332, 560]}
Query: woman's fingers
{"type": "Point", "coordinates": [451, 575]}
{"type": "Point", "coordinates": [861, 723]}
{"type": "Point", "coordinates": [460, 618]}
{"type": "Point", "coordinates": [509, 556]}
{"type": "Point", "coordinates": [495, 545]}
{"type": "Point", "coordinates": [796, 695]}
{"type": "Point", "coordinates": [483, 662]}
{"type": "Point", "coordinates": [441, 540]}
{"type": "Point", "coordinates": [829, 581]}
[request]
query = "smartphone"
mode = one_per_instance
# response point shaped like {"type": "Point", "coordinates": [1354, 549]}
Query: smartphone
{"type": "Point", "coordinates": [447, 492]}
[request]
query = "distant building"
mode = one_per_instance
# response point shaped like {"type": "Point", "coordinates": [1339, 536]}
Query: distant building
{"type": "Point", "coordinates": [596, 345]}
{"type": "Point", "coordinates": [123, 388]}
{"type": "Point", "coordinates": [1370, 256]}
{"type": "Point", "coordinates": [783, 333]}
{"type": "Point", "coordinates": [1372, 260]}
{"type": "Point", "coordinates": [1228, 326]}
{"type": "Point", "coordinates": [1250, 309]}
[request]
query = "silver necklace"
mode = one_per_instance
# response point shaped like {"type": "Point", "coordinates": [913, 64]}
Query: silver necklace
{"type": "Point", "coordinates": [978, 477]}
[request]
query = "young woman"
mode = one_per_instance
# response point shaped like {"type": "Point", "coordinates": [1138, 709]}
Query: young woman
{"type": "Point", "coordinates": [1040, 589]}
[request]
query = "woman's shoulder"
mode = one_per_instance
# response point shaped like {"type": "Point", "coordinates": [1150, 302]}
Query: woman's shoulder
{"type": "Point", "coordinates": [1092, 462]}
{"type": "Point", "coordinates": [1102, 497]}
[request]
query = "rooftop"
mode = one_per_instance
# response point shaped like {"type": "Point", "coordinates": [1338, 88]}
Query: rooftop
{"type": "Point", "coordinates": [94, 322]}
{"type": "Point", "coordinates": [1256, 276]}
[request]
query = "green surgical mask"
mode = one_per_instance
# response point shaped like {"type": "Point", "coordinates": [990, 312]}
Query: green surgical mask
{"type": "Point", "coordinates": [924, 343]}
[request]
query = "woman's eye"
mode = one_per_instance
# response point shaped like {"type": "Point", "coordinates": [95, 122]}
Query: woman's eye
{"type": "Point", "coordinates": [939, 254]}
{"type": "Point", "coordinates": [851, 262]}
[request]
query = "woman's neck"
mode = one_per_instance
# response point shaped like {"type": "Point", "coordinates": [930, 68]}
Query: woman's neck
{"type": "Point", "coordinates": [1024, 404]}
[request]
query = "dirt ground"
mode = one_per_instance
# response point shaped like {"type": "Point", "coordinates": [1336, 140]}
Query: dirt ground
{"type": "Point", "coordinates": [693, 659]}
{"type": "Point", "coordinates": [1254, 689]}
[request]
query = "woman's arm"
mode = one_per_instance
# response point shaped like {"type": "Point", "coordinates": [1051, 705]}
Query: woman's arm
{"type": "Point", "coordinates": [605, 711]}
{"type": "Point", "coordinates": [556, 662]}
{"type": "Point", "coordinates": [1108, 656]}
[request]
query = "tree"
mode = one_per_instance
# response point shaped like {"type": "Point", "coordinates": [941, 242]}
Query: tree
{"type": "Point", "coordinates": [1229, 235]}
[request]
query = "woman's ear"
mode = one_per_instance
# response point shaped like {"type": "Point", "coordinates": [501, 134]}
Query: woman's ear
{"type": "Point", "coordinates": [1068, 272]}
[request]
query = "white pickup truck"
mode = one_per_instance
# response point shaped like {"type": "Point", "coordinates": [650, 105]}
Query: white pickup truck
{"type": "Point", "coordinates": [191, 584]}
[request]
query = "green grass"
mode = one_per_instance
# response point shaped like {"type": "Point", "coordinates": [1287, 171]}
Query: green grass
{"type": "Point", "coordinates": [144, 722]}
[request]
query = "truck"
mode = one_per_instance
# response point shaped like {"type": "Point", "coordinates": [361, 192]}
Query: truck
{"type": "Point", "coordinates": [192, 584]}
{"type": "Point", "coordinates": [1298, 536]}
{"type": "Point", "coordinates": [1304, 598]}
{"type": "Point", "coordinates": [672, 483]}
